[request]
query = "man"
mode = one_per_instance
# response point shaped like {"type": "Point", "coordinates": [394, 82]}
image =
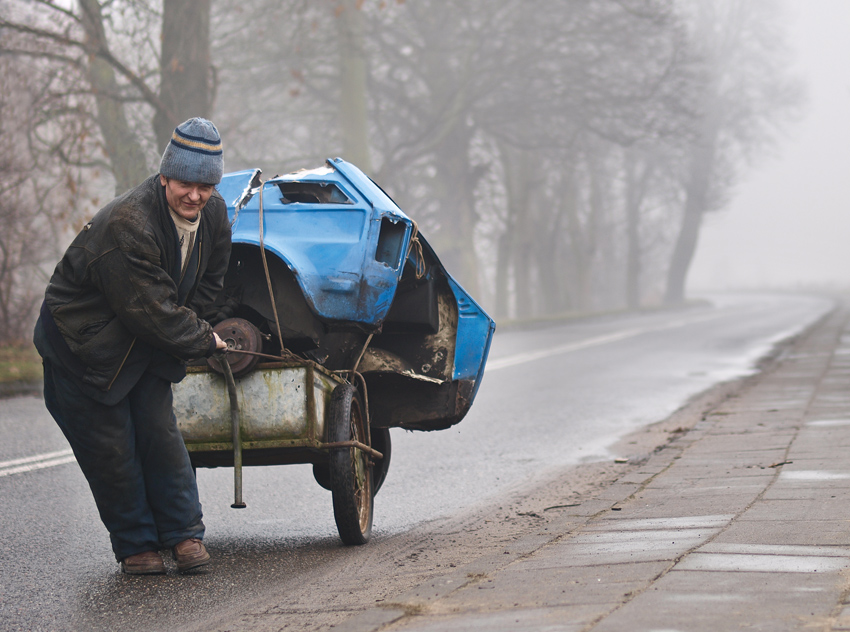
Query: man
{"type": "Point", "coordinates": [120, 317]}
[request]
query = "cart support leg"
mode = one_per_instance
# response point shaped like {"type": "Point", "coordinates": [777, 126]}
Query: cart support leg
{"type": "Point", "coordinates": [238, 503]}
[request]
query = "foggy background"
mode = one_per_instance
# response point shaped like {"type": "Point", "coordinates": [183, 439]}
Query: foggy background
{"type": "Point", "coordinates": [560, 156]}
{"type": "Point", "coordinates": [789, 222]}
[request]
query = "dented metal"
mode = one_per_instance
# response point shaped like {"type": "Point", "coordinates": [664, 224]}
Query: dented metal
{"type": "Point", "coordinates": [349, 271]}
{"type": "Point", "coordinates": [279, 406]}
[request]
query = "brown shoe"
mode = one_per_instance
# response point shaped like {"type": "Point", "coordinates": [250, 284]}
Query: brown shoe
{"type": "Point", "coordinates": [190, 554]}
{"type": "Point", "coordinates": [147, 563]}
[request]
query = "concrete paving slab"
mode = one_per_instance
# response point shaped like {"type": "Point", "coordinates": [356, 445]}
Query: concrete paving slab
{"type": "Point", "coordinates": [696, 601]}
{"type": "Point", "coordinates": [747, 460]}
{"type": "Point", "coordinates": [733, 445]}
{"type": "Point", "coordinates": [817, 463]}
{"type": "Point", "coordinates": [696, 521]}
{"type": "Point", "coordinates": [776, 549]}
{"type": "Point", "coordinates": [695, 494]}
{"type": "Point", "coordinates": [648, 546]}
{"type": "Point", "coordinates": [684, 484]}
{"type": "Point", "coordinates": [563, 619]}
{"type": "Point", "coordinates": [668, 508]}
{"type": "Point", "coordinates": [799, 492]}
{"type": "Point", "coordinates": [809, 533]}
{"type": "Point", "coordinates": [842, 621]}
{"type": "Point", "coordinates": [744, 563]}
{"type": "Point", "coordinates": [549, 587]}
{"type": "Point", "coordinates": [809, 509]}
{"type": "Point", "coordinates": [718, 471]}
{"type": "Point", "coordinates": [732, 501]}
{"type": "Point", "coordinates": [366, 621]}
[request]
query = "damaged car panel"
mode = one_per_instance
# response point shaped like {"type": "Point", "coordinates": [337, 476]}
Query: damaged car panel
{"type": "Point", "coordinates": [354, 286]}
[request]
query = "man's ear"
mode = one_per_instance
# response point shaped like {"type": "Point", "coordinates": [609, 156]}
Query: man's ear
{"type": "Point", "coordinates": [163, 180]}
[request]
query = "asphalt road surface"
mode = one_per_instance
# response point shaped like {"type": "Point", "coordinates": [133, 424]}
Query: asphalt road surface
{"type": "Point", "coordinates": [553, 396]}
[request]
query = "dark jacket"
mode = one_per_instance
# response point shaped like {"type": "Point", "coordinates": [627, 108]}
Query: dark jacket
{"type": "Point", "coordinates": [118, 287]}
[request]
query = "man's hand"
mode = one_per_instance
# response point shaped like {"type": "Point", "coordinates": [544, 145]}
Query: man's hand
{"type": "Point", "coordinates": [220, 345]}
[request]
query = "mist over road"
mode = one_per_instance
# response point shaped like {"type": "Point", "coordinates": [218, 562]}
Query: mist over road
{"type": "Point", "coordinates": [553, 396]}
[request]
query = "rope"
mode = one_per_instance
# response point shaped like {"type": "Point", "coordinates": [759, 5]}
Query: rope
{"type": "Point", "coordinates": [289, 355]}
{"type": "Point", "coordinates": [268, 276]}
{"type": "Point", "coordinates": [419, 257]}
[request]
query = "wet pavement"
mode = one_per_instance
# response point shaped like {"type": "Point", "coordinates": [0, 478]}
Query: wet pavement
{"type": "Point", "coordinates": [741, 522]}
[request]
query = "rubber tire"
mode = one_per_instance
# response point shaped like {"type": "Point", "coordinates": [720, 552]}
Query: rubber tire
{"type": "Point", "coordinates": [382, 443]}
{"type": "Point", "coordinates": [350, 468]}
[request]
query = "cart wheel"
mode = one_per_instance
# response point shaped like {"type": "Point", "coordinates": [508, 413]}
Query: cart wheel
{"type": "Point", "coordinates": [381, 442]}
{"type": "Point", "coordinates": [350, 468]}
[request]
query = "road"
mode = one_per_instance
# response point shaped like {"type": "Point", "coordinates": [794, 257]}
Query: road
{"type": "Point", "coordinates": [554, 396]}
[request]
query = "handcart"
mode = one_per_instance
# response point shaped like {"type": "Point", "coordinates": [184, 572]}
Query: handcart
{"type": "Point", "coordinates": [291, 411]}
{"type": "Point", "coordinates": [341, 323]}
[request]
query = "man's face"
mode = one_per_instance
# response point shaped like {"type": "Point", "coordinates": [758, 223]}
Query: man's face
{"type": "Point", "coordinates": [186, 198]}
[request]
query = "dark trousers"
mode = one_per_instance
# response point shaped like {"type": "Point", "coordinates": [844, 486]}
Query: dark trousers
{"type": "Point", "coordinates": [134, 459]}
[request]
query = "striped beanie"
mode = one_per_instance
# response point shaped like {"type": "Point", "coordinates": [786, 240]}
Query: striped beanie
{"type": "Point", "coordinates": [194, 153]}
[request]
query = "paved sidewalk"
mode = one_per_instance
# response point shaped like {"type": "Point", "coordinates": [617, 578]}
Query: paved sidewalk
{"type": "Point", "coordinates": [741, 523]}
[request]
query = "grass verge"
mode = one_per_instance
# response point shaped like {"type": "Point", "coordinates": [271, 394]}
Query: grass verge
{"type": "Point", "coordinates": [19, 363]}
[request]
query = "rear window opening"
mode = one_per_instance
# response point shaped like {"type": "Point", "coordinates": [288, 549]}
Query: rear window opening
{"type": "Point", "coordinates": [312, 193]}
{"type": "Point", "coordinates": [390, 241]}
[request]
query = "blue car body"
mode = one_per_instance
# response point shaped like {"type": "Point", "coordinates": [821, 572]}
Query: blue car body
{"type": "Point", "coordinates": [355, 286]}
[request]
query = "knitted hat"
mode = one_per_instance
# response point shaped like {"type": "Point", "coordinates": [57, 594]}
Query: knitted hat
{"type": "Point", "coordinates": [194, 153]}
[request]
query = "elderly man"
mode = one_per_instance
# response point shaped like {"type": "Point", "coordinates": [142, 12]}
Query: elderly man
{"type": "Point", "coordinates": [120, 317]}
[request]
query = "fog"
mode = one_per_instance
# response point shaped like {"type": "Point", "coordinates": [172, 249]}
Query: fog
{"type": "Point", "coordinates": [569, 172]}
{"type": "Point", "coordinates": [788, 225]}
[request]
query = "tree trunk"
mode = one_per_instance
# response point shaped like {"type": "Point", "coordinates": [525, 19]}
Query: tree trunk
{"type": "Point", "coordinates": [456, 236]}
{"type": "Point", "coordinates": [185, 89]}
{"type": "Point", "coordinates": [503, 267]}
{"type": "Point", "coordinates": [519, 229]}
{"type": "Point", "coordinates": [353, 107]}
{"type": "Point", "coordinates": [696, 200]}
{"type": "Point", "coordinates": [637, 177]}
{"type": "Point", "coordinates": [123, 149]}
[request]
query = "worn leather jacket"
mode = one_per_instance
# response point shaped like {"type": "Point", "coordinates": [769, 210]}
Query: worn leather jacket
{"type": "Point", "coordinates": [119, 285]}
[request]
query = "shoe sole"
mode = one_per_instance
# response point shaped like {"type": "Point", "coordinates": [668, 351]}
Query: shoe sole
{"type": "Point", "coordinates": [142, 571]}
{"type": "Point", "coordinates": [192, 565]}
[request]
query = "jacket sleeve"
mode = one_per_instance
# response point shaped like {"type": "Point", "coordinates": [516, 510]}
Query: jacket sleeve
{"type": "Point", "coordinates": [143, 295]}
{"type": "Point", "coordinates": [212, 280]}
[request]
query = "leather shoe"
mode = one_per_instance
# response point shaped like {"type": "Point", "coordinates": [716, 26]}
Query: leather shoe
{"type": "Point", "coordinates": [147, 563]}
{"type": "Point", "coordinates": [190, 554]}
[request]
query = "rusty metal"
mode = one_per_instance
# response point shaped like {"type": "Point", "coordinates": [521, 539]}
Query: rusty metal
{"type": "Point", "coordinates": [239, 335]}
{"type": "Point", "coordinates": [352, 444]}
{"type": "Point", "coordinates": [286, 358]}
{"type": "Point", "coordinates": [280, 406]}
{"type": "Point", "coordinates": [236, 434]}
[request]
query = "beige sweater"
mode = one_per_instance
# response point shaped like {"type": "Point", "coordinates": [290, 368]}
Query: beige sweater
{"type": "Point", "coordinates": [186, 233]}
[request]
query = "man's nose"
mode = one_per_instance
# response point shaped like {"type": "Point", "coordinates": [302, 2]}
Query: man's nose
{"type": "Point", "coordinates": [194, 194]}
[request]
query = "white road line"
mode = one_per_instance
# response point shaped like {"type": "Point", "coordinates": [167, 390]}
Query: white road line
{"type": "Point", "coordinates": [36, 462]}
{"type": "Point", "coordinates": [531, 356]}
{"type": "Point", "coordinates": [52, 459]}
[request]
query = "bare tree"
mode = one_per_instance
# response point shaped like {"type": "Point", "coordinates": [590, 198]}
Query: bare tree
{"type": "Point", "coordinates": [38, 198]}
{"type": "Point", "coordinates": [746, 96]}
{"type": "Point", "coordinates": [111, 50]}
{"type": "Point", "coordinates": [79, 90]}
